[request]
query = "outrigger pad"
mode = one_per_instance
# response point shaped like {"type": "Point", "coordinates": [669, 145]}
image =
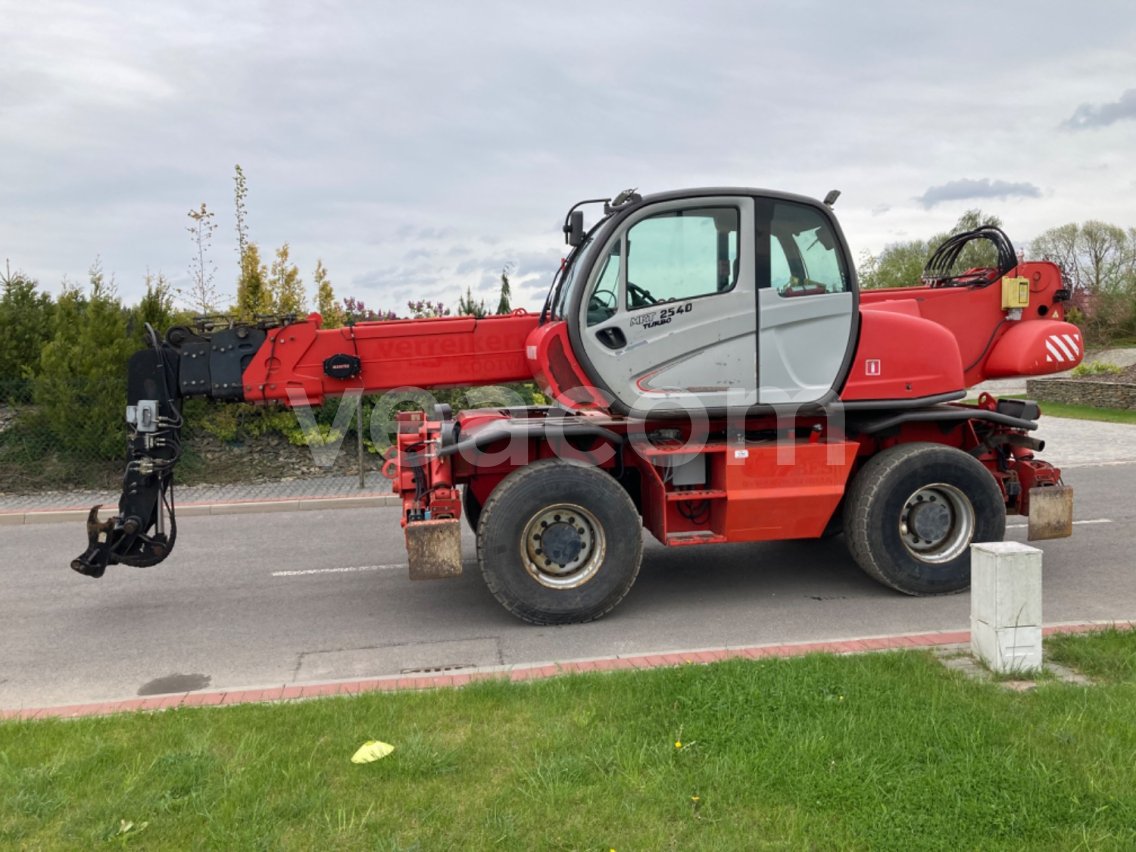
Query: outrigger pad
{"type": "Point", "coordinates": [434, 548]}
{"type": "Point", "coordinates": [1050, 512]}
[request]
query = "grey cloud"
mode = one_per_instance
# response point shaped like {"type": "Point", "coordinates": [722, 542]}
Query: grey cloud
{"type": "Point", "coordinates": [968, 188]}
{"type": "Point", "coordinates": [425, 233]}
{"type": "Point", "coordinates": [389, 278]}
{"type": "Point", "coordinates": [467, 266]}
{"type": "Point", "coordinates": [430, 233]}
{"type": "Point", "coordinates": [532, 284]}
{"type": "Point", "coordinates": [369, 131]}
{"type": "Point", "coordinates": [395, 298]}
{"type": "Point", "coordinates": [544, 263]}
{"type": "Point", "coordinates": [1102, 115]}
{"type": "Point", "coordinates": [519, 265]}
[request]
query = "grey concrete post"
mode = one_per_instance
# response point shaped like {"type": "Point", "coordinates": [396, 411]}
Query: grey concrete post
{"type": "Point", "coordinates": [1005, 606]}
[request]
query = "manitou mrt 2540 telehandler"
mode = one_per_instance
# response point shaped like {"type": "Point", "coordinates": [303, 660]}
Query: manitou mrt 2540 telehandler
{"type": "Point", "coordinates": [716, 376]}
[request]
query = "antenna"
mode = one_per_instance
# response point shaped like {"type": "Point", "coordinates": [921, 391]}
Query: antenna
{"type": "Point", "coordinates": [830, 199]}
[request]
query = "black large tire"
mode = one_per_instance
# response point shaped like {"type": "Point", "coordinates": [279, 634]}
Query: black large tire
{"type": "Point", "coordinates": [559, 542]}
{"type": "Point", "coordinates": [914, 510]}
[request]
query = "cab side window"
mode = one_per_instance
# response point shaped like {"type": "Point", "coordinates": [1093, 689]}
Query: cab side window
{"type": "Point", "coordinates": [605, 297]}
{"type": "Point", "coordinates": [681, 254]}
{"type": "Point", "coordinates": [805, 257]}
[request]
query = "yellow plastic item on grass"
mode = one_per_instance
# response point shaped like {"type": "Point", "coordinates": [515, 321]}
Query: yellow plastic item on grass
{"type": "Point", "coordinates": [371, 751]}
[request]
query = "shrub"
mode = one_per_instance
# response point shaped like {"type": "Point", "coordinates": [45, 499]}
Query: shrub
{"type": "Point", "coordinates": [1098, 368]}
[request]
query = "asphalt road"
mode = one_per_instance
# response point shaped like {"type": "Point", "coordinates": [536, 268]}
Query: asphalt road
{"type": "Point", "coordinates": [261, 600]}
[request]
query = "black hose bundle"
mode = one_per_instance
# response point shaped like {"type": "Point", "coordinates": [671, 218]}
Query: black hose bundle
{"type": "Point", "coordinates": [939, 269]}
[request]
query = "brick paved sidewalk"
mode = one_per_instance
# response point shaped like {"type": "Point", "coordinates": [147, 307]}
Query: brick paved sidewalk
{"type": "Point", "coordinates": [314, 487]}
{"type": "Point", "coordinates": [529, 671]}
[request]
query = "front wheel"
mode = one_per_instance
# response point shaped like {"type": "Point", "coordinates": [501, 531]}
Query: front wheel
{"type": "Point", "coordinates": [559, 542]}
{"type": "Point", "coordinates": [914, 510]}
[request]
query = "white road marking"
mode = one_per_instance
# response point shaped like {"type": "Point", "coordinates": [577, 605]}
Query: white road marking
{"type": "Point", "coordinates": [348, 569]}
{"type": "Point", "coordinates": [1075, 523]}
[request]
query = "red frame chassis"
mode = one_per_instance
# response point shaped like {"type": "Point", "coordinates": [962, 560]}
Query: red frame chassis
{"type": "Point", "coordinates": [788, 483]}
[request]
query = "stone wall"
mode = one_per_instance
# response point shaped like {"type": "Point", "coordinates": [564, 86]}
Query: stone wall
{"type": "Point", "coordinates": [1073, 392]}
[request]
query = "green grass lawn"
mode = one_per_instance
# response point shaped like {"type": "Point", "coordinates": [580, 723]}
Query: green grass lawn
{"type": "Point", "coordinates": [882, 751]}
{"type": "Point", "coordinates": [1079, 412]}
{"type": "Point", "coordinates": [1087, 412]}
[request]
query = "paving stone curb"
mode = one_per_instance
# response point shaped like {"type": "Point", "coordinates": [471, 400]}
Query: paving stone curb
{"type": "Point", "coordinates": [527, 671]}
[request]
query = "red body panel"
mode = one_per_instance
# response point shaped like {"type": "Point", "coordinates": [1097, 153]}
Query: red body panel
{"type": "Point", "coordinates": [787, 491]}
{"type": "Point", "coordinates": [430, 353]}
{"type": "Point", "coordinates": [976, 320]}
{"type": "Point", "coordinates": [556, 368]}
{"type": "Point", "coordinates": [902, 356]}
{"type": "Point", "coordinates": [759, 493]}
{"type": "Point", "coordinates": [1034, 349]}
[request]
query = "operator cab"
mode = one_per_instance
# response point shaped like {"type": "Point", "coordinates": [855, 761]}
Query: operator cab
{"type": "Point", "coordinates": [711, 299]}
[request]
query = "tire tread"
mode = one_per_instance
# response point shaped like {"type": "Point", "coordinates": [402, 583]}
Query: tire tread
{"type": "Point", "coordinates": [520, 478]}
{"type": "Point", "coordinates": [865, 541]}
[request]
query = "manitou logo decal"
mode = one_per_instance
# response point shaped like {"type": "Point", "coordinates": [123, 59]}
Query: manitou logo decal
{"type": "Point", "coordinates": [1062, 348]}
{"type": "Point", "coordinates": [872, 367]}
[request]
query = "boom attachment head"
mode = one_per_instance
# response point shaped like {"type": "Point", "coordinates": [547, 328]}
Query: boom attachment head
{"type": "Point", "coordinates": [144, 530]}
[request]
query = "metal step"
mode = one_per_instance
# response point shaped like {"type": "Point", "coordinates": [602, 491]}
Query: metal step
{"type": "Point", "coordinates": [680, 539]}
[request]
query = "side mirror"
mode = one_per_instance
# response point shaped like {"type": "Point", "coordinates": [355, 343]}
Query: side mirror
{"type": "Point", "coordinates": [574, 229]}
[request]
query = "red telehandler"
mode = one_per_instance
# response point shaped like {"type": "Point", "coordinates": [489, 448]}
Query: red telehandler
{"type": "Point", "coordinates": [716, 376]}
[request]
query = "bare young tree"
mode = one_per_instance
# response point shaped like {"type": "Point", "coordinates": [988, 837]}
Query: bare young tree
{"type": "Point", "coordinates": [203, 295]}
{"type": "Point", "coordinates": [240, 194]}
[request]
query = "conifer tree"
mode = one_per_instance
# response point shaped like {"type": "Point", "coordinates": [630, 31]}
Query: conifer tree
{"type": "Point", "coordinates": [26, 320]}
{"type": "Point", "coordinates": [468, 307]}
{"type": "Point", "coordinates": [503, 304]}
{"type": "Point", "coordinates": [253, 296]}
{"type": "Point", "coordinates": [284, 284]}
{"type": "Point", "coordinates": [81, 386]}
{"type": "Point", "coordinates": [156, 307]}
{"type": "Point", "coordinates": [328, 308]}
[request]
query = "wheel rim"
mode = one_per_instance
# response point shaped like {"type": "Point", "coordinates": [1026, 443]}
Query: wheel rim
{"type": "Point", "coordinates": [936, 523]}
{"type": "Point", "coordinates": [563, 546]}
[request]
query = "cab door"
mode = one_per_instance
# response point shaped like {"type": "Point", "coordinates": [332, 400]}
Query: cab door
{"type": "Point", "coordinates": [667, 320]}
{"type": "Point", "coordinates": [806, 303]}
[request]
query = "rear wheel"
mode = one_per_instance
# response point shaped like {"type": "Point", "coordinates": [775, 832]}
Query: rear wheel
{"type": "Point", "coordinates": [914, 510]}
{"type": "Point", "coordinates": [559, 542]}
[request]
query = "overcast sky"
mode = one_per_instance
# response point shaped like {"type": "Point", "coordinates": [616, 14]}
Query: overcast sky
{"type": "Point", "coordinates": [417, 148]}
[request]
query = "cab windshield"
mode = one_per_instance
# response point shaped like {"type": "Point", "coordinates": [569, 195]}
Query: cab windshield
{"type": "Point", "coordinates": [571, 280]}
